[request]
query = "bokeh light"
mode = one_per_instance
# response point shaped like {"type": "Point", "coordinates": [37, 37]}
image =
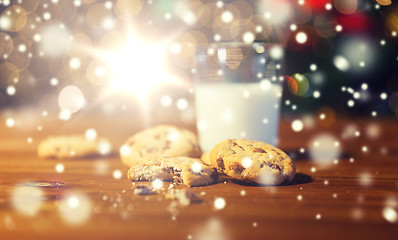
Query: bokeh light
{"type": "Point", "coordinates": [75, 208]}
{"type": "Point", "coordinates": [27, 200]}
{"type": "Point", "coordinates": [323, 149]}
{"type": "Point", "coordinates": [71, 99]}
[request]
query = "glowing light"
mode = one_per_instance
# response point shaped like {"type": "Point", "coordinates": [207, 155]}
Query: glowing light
{"type": "Point", "coordinates": [365, 179]}
{"type": "Point", "coordinates": [364, 148]}
{"type": "Point", "coordinates": [10, 122]}
{"type": "Point", "coordinates": [217, 37]}
{"type": "Point", "coordinates": [175, 48]}
{"type": "Point", "coordinates": [247, 162]}
{"type": "Point", "coordinates": [219, 203]}
{"type": "Point", "coordinates": [137, 66]}
{"type": "Point", "coordinates": [77, 3]}
{"type": "Point", "coordinates": [108, 4]}
{"type": "Point", "coordinates": [117, 174]}
{"type": "Point", "coordinates": [276, 52]}
{"type": "Point", "coordinates": [46, 16]}
{"type": "Point", "coordinates": [54, 81]}
{"type": "Point", "coordinates": [324, 149]}
{"type": "Point", "coordinates": [390, 214]}
{"type": "Point", "coordinates": [125, 150]}
{"type": "Point", "coordinates": [75, 208]}
{"type": "Point", "coordinates": [248, 37]}
{"type": "Point", "coordinates": [182, 104]}
{"type": "Point", "coordinates": [157, 184]}
{"type": "Point", "coordinates": [354, 53]}
{"type": "Point", "coordinates": [174, 136]}
{"type": "Point", "coordinates": [227, 17]}
{"type": "Point", "coordinates": [59, 168]}
{"type": "Point", "coordinates": [350, 103]}
{"type": "Point", "coordinates": [318, 216]}
{"type": "Point", "coordinates": [313, 67]}
{"type": "Point", "coordinates": [276, 12]}
{"type": "Point", "coordinates": [166, 101]}
{"type": "Point", "coordinates": [341, 63]}
{"type": "Point", "coordinates": [65, 115]}
{"type": "Point", "coordinates": [27, 200]}
{"type": "Point", "coordinates": [22, 48]}
{"type": "Point", "coordinates": [301, 37]}
{"type": "Point", "coordinates": [316, 94]}
{"type": "Point", "coordinates": [71, 99]}
{"type": "Point", "coordinates": [383, 96]}
{"type": "Point", "coordinates": [297, 125]}
{"type": "Point", "coordinates": [243, 193]}
{"type": "Point", "coordinates": [196, 167]}
{"type": "Point", "coordinates": [91, 134]}
{"type": "Point", "coordinates": [104, 147]}
{"type": "Point", "coordinates": [11, 90]}
{"type": "Point", "coordinates": [75, 63]}
{"type": "Point", "coordinates": [299, 197]}
{"type": "Point", "coordinates": [293, 27]}
{"type": "Point", "coordinates": [339, 28]}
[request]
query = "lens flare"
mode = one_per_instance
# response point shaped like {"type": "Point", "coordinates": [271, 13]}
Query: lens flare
{"type": "Point", "coordinates": [137, 67]}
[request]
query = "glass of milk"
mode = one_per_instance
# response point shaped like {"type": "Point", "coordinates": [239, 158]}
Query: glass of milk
{"type": "Point", "coordinates": [237, 92]}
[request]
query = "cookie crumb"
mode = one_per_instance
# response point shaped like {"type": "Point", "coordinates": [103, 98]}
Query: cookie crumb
{"type": "Point", "coordinates": [184, 197]}
{"type": "Point", "coordinates": [142, 190]}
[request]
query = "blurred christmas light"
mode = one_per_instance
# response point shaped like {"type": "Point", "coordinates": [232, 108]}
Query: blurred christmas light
{"type": "Point", "coordinates": [75, 208]}
{"type": "Point", "coordinates": [71, 99]}
{"type": "Point", "coordinates": [91, 134]}
{"type": "Point", "coordinates": [59, 168]}
{"type": "Point", "coordinates": [117, 174]}
{"type": "Point", "coordinates": [297, 125]}
{"type": "Point", "coordinates": [219, 203]}
{"type": "Point", "coordinates": [27, 200]}
{"type": "Point", "coordinates": [323, 149]}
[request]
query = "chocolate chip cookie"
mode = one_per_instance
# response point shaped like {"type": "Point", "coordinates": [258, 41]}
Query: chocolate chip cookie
{"type": "Point", "coordinates": [181, 170]}
{"type": "Point", "coordinates": [73, 146]}
{"type": "Point", "coordinates": [159, 141]}
{"type": "Point", "coordinates": [252, 161]}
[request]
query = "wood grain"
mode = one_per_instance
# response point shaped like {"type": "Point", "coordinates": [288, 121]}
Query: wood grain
{"type": "Point", "coordinates": [344, 200]}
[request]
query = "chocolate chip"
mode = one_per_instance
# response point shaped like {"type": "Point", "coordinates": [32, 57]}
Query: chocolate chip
{"type": "Point", "coordinates": [214, 175]}
{"type": "Point", "coordinates": [220, 163]}
{"type": "Point", "coordinates": [237, 167]}
{"type": "Point", "coordinates": [152, 149]}
{"type": "Point", "coordinates": [260, 150]}
{"type": "Point", "coordinates": [167, 146]}
{"type": "Point", "coordinates": [168, 170]}
{"type": "Point", "coordinates": [261, 165]}
{"type": "Point", "coordinates": [275, 167]}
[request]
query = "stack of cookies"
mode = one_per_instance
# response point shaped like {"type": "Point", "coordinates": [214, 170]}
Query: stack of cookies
{"type": "Point", "coordinates": [170, 153]}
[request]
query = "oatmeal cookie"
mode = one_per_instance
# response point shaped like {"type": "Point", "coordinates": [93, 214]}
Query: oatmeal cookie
{"type": "Point", "coordinates": [159, 141]}
{"type": "Point", "coordinates": [252, 161]}
{"type": "Point", "coordinates": [73, 146]}
{"type": "Point", "coordinates": [182, 170]}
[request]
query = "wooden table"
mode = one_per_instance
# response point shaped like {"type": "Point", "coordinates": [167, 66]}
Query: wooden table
{"type": "Point", "coordinates": [354, 197]}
